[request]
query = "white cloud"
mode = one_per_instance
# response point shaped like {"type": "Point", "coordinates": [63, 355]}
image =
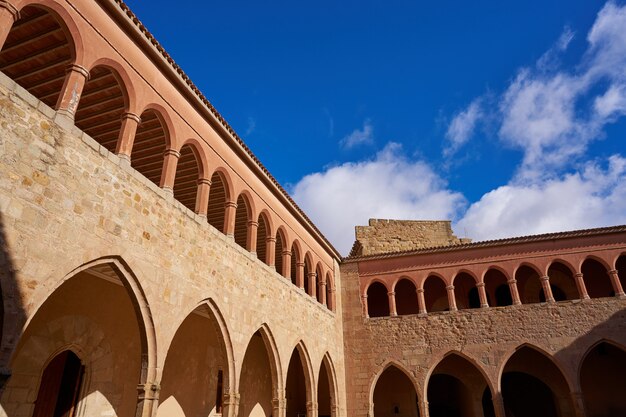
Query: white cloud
{"type": "Point", "coordinates": [462, 127]}
{"type": "Point", "coordinates": [363, 136]}
{"type": "Point", "coordinates": [387, 186]}
{"type": "Point", "coordinates": [251, 126]}
{"type": "Point", "coordinates": [593, 197]}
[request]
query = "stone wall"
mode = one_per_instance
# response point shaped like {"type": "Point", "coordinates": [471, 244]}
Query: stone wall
{"type": "Point", "coordinates": [67, 203]}
{"type": "Point", "coordinates": [384, 236]}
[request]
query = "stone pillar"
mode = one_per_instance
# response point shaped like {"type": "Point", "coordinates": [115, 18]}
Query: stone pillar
{"type": "Point", "coordinates": [168, 175]}
{"type": "Point", "coordinates": [498, 405]}
{"type": "Point", "coordinates": [279, 405]}
{"type": "Point", "coordinates": [547, 291]}
{"type": "Point", "coordinates": [482, 294]}
{"type": "Point", "coordinates": [231, 404]}
{"type": "Point", "coordinates": [364, 306]}
{"type": "Point", "coordinates": [322, 291]}
{"type": "Point", "coordinates": [202, 196]}
{"type": "Point", "coordinates": [311, 409]}
{"type": "Point", "coordinates": [393, 311]}
{"type": "Point", "coordinates": [579, 404]}
{"type": "Point", "coordinates": [514, 292]}
{"type": "Point", "coordinates": [147, 399]}
{"type": "Point", "coordinates": [286, 272]}
{"type": "Point", "coordinates": [253, 227]}
{"type": "Point", "coordinates": [126, 139]}
{"type": "Point", "coordinates": [617, 285]}
{"type": "Point", "coordinates": [230, 211]}
{"type": "Point", "coordinates": [75, 78]}
{"type": "Point", "coordinates": [8, 15]}
{"type": "Point", "coordinates": [580, 284]}
{"type": "Point", "coordinates": [421, 303]}
{"type": "Point", "coordinates": [424, 411]}
{"type": "Point", "coordinates": [300, 274]}
{"type": "Point", "coordinates": [270, 251]}
{"type": "Point", "coordinates": [451, 298]}
{"type": "Point", "coordinates": [312, 284]}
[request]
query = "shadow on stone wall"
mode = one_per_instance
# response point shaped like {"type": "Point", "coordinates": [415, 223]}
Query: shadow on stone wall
{"type": "Point", "coordinates": [12, 314]}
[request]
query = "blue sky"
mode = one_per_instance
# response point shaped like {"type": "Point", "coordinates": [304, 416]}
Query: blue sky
{"type": "Point", "coordinates": [505, 117]}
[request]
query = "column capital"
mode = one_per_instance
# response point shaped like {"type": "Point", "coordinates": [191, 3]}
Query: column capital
{"type": "Point", "coordinates": [613, 272]}
{"type": "Point", "coordinates": [420, 291]}
{"type": "Point", "coordinates": [450, 288]}
{"type": "Point", "coordinates": [131, 116]}
{"type": "Point", "coordinates": [311, 274]}
{"type": "Point", "coordinates": [78, 69]}
{"type": "Point", "coordinates": [253, 223]}
{"type": "Point", "coordinates": [231, 398]}
{"type": "Point", "coordinates": [300, 264]}
{"type": "Point", "coordinates": [149, 391]}
{"type": "Point", "coordinates": [270, 239]}
{"type": "Point", "coordinates": [480, 285]}
{"type": "Point", "coordinates": [286, 252]}
{"type": "Point", "coordinates": [5, 4]}
{"type": "Point", "coordinates": [364, 296]}
{"type": "Point", "coordinates": [172, 152]}
{"type": "Point", "coordinates": [204, 181]}
{"type": "Point", "coordinates": [578, 275]}
{"type": "Point", "coordinates": [545, 278]}
{"type": "Point", "coordinates": [512, 281]}
{"type": "Point", "coordinates": [230, 204]}
{"type": "Point", "coordinates": [391, 293]}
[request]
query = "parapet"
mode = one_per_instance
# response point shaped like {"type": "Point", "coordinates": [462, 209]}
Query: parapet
{"type": "Point", "coordinates": [385, 236]}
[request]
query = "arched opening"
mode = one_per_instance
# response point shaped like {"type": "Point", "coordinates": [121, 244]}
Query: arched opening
{"type": "Point", "coordinates": [562, 283]}
{"type": "Point", "coordinates": [497, 289]}
{"type": "Point", "coordinates": [36, 54]}
{"type": "Point", "coordinates": [295, 259]}
{"type": "Point", "coordinates": [261, 238]}
{"type": "Point", "coordinates": [218, 195]}
{"type": "Point", "coordinates": [465, 291]}
{"type": "Point", "coordinates": [597, 280]}
{"type": "Point", "coordinates": [196, 368]}
{"type": "Point", "coordinates": [278, 252]}
{"type": "Point", "coordinates": [435, 294]}
{"type": "Point", "coordinates": [533, 386]}
{"type": "Point", "coordinates": [325, 390]}
{"type": "Point", "coordinates": [602, 381]}
{"type": "Point", "coordinates": [406, 297]}
{"type": "Point", "coordinates": [296, 387]}
{"type": "Point", "coordinates": [98, 314]}
{"type": "Point", "coordinates": [394, 395]}
{"type": "Point", "coordinates": [457, 388]}
{"type": "Point", "coordinates": [307, 270]}
{"type": "Point", "coordinates": [187, 176]}
{"type": "Point", "coordinates": [528, 284]}
{"type": "Point", "coordinates": [377, 300]}
{"type": "Point", "coordinates": [102, 104]}
{"type": "Point", "coordinates": [256, 382]}
{"type": "Point", "coordinates": [330, 291]}
{"type": "Point", "coordinates": [620, 266]}
{"type": "Point", "coordinates": [60, 386]}
{"type": "Point", "coordinates": [242, 215]}
{"type": "Point", "coordinates": [149, 146]}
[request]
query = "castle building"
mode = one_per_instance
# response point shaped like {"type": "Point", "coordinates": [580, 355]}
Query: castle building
{"type": "Point", "coordinates": [152, 266]}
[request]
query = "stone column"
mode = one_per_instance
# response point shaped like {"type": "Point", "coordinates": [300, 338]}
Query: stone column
{"type": "Point", "coordinates": [286, 272]}
{"type": "Point", "coordinates": [230, 211]}
{"type": "Point", "coordinates": [364, 306]}
{"type": "Point", "coordinates": [270, 251]}
{"type": "Point", "coordinates": [482, 294]}
{"type": "Point", "coordinates": [322, 291]}
{"type": "Point", "coordinates": [253, 227]}
{"type": "Point", "coordinates": [8, 15]}
{"type": "Point", "coordinates": [617, 285]}
{"type": "Point", "coordinates": [312, 285]}
{"type": "Point", "coordinates": [147, 399]}
{"type": "Point", "coordinates": [580, 284]}
{"type": "Point", "coordinates": [300, 274]}
{"type": "Point", "coordinates": [75, 78]}
{"type": "Point", "coordinates": [421, 303]}
{"type": "Point", "coordinates": [279, 405]}
{"type": "Point", "coordinates": [168, 175]}
{"type": "Point", "coordinates": [579, 404]}
{"type": "Point", "coordinates": [231, 404]}
{"type": "Point", "coordinates": [424, 411]}
{"type": "Point", "coordinates": [393, 311]}
{"type": "Point", "coordinates": [202, 196]}
{"type": "Point", "coordinates": [311, 409]}
{"type": "Point", "coordinates": [547, 291]}
{"type": "Point", "coordinates": [498, 405]}
{"type": "Point", "coordinates": [451, 298]}
{"type": "Point", "coordinates": [126, 139]}
{"type": "Point", "coordinates": [514, 292]}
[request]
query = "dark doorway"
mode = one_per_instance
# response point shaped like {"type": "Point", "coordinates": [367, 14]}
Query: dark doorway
{"type": "Point", "coordinates": [60, 387]}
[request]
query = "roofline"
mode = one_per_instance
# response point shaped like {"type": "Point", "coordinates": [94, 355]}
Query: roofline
{"type": "Point", "coordinates": [491, 243]}
{"type": "Point", "coordinates": [133, 27]}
